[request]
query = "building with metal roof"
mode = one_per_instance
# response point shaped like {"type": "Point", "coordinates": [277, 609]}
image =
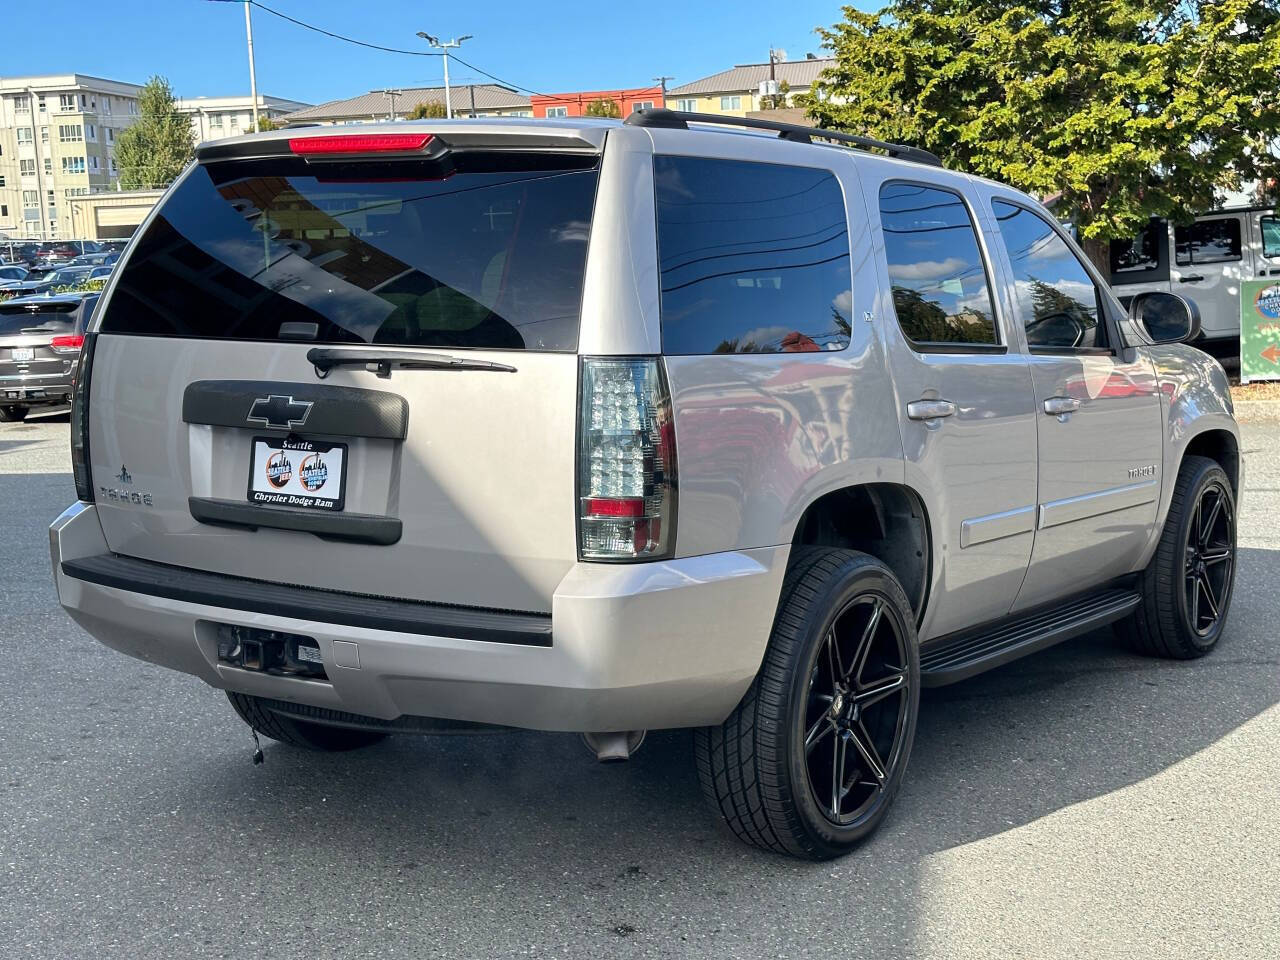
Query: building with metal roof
{"type": "Point", "coordinates": [737, 91]}
{"type": "Point", "coordinates": [486, 99]}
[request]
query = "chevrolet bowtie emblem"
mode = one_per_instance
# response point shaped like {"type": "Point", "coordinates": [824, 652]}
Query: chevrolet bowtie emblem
{"type": "Point", "coordinates": [283, 413]}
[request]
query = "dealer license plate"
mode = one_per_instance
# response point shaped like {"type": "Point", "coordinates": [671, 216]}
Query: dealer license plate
{"type": "Point", "coordinates": [307, 474]}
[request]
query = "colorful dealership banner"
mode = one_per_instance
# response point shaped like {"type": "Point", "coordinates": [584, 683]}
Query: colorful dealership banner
{"type": "Point", "coordinates": [1259, 330]}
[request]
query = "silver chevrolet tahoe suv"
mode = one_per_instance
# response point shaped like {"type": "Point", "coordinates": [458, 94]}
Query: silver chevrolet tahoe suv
{"type": "Point", "coordinates": [605, 427]}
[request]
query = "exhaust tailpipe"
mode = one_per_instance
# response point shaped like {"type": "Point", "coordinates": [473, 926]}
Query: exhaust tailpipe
{"type": "Point", "coordinates": [614, 747]}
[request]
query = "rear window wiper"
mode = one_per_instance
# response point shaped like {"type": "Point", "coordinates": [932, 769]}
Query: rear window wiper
{"type": "Point", "coordinates": [43, 329]}
{"type": "Point", "coordinates": [325, 359]}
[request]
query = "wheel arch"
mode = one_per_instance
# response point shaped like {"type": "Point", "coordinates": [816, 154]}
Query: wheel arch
{"type": "Point", "coordinates": [1219, 445]}
{"type": "Point", "coordinates": [888, 521]}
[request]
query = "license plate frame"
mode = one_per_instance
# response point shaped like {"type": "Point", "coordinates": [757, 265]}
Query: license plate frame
{"type": "Point", "coordinates": [22, 354]}
{"type": "Point", "coordinates": [293, 484]}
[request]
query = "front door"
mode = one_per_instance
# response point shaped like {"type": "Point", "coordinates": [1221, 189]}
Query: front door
{"type": "Point", "coordinates": [1097, 414]}
{"type": "Point", "coordinates": [1210, 258]}
{"type": "Point", "coordinates": [963, 394]}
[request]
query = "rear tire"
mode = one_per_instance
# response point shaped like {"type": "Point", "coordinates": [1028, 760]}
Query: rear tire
{"type": "Point", "coordinates": [13, 414]}
{"type": "Point", "coordinates": [299, 733]}
{"type": "Point", "coordinates": [1187, 586]}
{"type": "Point", "coordinates": [810, 761]}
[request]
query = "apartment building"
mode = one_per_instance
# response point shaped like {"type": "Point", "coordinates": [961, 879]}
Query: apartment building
{"type": "Point", "coordinates": [485, 99]}
{"type": "Point", "coordinates": [57, 141]}
{"type": "Point", "coordinates": [736, 92]}
{"type": "Point", "coordinates": [575, 104]}
{"type": "Point", "coordinates": [213, 118]}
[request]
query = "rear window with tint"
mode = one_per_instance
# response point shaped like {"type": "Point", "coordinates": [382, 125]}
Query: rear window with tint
{"type": "Point", "coordinates": [54, 318]}
{"type": "Point", "coordinates": [485, 250]}
{"type": "Point", "coordinates": [753, 257]}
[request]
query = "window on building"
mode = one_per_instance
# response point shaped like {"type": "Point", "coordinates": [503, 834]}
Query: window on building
{"type": "Point", "coordinates": [73, 165]}
{"type": "Point", "coordinates": [687, 106]}
{"type": "Point", "coordinates": [1, 179]}
{"type": "Point", "coordinates": [730, 103]}
{"type": "Point", "coordinates": [67, 102]}
{"type": "Point", "coordinates": [936, 270]}
{"type": "Point", "coordinates": [48, 165]}
{"type": "Point", "coordinates": [21, 104]}
{"type": "Point", "coordinates": [4, 209]}
{"type": "Point", "coordinates": [52, 197]}
{"type": "Point", "coordinates": [112, 161]}
{"type": "Point", "coordinates": [111, 135]}
{"type": "Point", "coordinates": [83, 101]}
{"type": "Point", "coordinates": [44, 135]}
{"type": "Point", "coordinates": [41, 105]}
{"type": "Point", "coordinates": [90, 133]}
{"type": "Point", "coordinates": [27, 168]}
{"type": "Point", "coordinates": [759, 264]}
{"type": "Point", "coordinates": [1057, 299]}
{"type": "Point", "coordinates": [106, 105]}
{"type": "Point", "coordinates": [1207, 241]}
{"type": "Point", "coordinates": [557, 111]}
{"type": "Point", "coordinates": [1270, 235]}
{"type": "Point", "coordinates": [75, 191]}
{"type": "Point", "coordinates": [642, 105]}
{"type": "Point", "coordinates": [133, 106]}
{"type": "Point", "coordinates": [31, 198]}
{"type": "Point", "coordinates": [26, 135]}
{"type": "Point", "coordinates": [215, 121]}
{"type": "Point", "coordinates": [70, 133]}
{"type": "Point", "coordinates": [93, 164]}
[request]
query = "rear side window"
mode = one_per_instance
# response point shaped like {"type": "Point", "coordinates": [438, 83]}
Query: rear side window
{"type": "Point", "coordinates": [939, 280]}
{"type": "Point", "coordinates": [1057, 300]}
{"type": "Point", "coordinates": [1208, 241]}
{"type": "Point", "coordinates": [483, 250]}
{"type": "Point", "coordinates": [1270, 236]}
{"type": "Point", "coordinates": [753, 257]}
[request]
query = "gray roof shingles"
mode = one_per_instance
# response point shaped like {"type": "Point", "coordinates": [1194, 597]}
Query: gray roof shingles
{"type": "Point", "coordinates": [375, 103]}
{"type": "Point", "coordinates": [799, 74]}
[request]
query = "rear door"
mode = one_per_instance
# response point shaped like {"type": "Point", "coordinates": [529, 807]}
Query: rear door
{"type": "Point", "coordinates": [430, 453]}
{"type": "Point", "coordinates": [1265, 242]}
{"type": "Point", "coordinates": [1098, 417]}
{"type": "Point", "coordinates": [1210, 260]}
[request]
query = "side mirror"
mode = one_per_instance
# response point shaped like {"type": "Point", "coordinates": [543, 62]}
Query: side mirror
{"type": "Point", "coordinates": [1166, 317]}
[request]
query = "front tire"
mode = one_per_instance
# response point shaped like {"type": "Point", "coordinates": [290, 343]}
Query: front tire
{"type": "Point", "coordinates": [13, 413]}
{"type": "Point", "coordinates": [299, 733]}
{"type": "Point", "coordinates": [1187, 586]}
{"type": "Point", "coordinates": [810, 761]}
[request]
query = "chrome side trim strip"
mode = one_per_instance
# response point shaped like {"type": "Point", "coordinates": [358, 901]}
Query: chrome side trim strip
{"type": "Point", "coordinates": [996, 526]}
{"type": "Point", "coordinates": [1057, 512]}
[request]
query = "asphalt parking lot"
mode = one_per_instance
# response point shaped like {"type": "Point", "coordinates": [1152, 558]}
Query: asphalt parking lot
{"type": "Point", "coordinates": [1082, 803]}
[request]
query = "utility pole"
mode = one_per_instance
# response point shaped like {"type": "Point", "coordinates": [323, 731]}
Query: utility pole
{"type": "Point", "coordinates": [662, 82]}
{"type": "Point", "coordinates": [391, 95]}
{"type": "Point", "coordinates": [446, 46]}
{"type": "Point", "coordinates": [253, 79]}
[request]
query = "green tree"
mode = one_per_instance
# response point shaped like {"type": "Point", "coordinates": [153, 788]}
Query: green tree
{"type": "Point", "coordinates": [428, 110]}
{"type": "Point", "coordinates": [603, 107]}
{"type": "Point", "coordinates": [159, 144]}
{"type": "Point", "coordinates": [266, 123]}
{"type": "Point", "coordinates": [1115, 110]}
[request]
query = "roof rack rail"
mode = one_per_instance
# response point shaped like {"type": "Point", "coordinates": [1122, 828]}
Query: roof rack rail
{"type": "Point", "coordinates": [798, 133]}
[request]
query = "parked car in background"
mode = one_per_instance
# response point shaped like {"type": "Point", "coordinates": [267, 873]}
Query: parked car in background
{"type": "Point", "coordinates": [96, 259]}
{"type": "Point", "coordinates": [20, 252]}
{"type": "Point", "coordinates": [62, 277]}
{"type": "Point", "coordinates": [40, 342]}
{"type": "Point", "coordinates": [48, 264]}
{"type": "Point", "coordinates": [12, 273]}
{"type": "Point", "coordinates": [1205, 261]}
{"type": "Point", "coordinates": [612, 426]}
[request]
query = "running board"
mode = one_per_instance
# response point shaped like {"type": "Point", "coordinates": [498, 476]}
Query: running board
{"type": "Point", "coordinates": [959, 656]}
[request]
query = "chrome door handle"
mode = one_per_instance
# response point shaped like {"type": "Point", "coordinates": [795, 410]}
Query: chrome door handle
{"type": "Point", "coordinates": [930, 409]}
{"type": "Point", "coordinates": [1057, 406]}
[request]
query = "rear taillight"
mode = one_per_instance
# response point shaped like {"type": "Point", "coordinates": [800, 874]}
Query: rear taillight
{"type": "Point", "coordinates": [67, 344]}
{"type": "Point", "coordinates": [80, 422]}
{"type": "Point", "coordinates": [360, 143]}
{"type": "Point", "coordinates": [626, 461]}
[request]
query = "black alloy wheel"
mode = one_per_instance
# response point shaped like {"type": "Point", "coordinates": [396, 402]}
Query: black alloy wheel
{"type": "Point", "coordinates": [1210, 559]}
{"type": "Point", "coordinates": [856, 714]}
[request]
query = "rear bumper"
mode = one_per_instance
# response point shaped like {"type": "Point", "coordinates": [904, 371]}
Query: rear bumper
{"type": "Point", "coordinates": [34, 390]}
{"type": "Point", "coordinates": [630, 646]}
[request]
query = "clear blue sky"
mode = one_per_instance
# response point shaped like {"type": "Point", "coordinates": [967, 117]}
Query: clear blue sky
{"type": "Point", "coordinates": [551, 46]}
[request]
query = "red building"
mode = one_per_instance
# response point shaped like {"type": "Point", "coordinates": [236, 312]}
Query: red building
{"type": "Point", "coordinates": [575, 104]}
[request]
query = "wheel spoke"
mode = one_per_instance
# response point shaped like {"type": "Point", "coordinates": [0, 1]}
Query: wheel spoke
{"type": "Point", "coordinates": [817, 732]}
{"type": "Point", "coordinates": [862, 741]}
{"type": "Point", "coordinates": [1195, 601]}
{"type": "Point", "coordinates": [1206, 526]}
{"type": "Point", "coordinates": [833, 657]}
{"type": "Point", "coordinates": [837, 775]}
{"type": "Point", "coordinates": [864, 644]}
{"type": "Point", "coordinates": [877, 690]}
{"type": "Point", "coordinates": [1215, 556]}
{"type": "Point", "coordinates": [1209, 597]}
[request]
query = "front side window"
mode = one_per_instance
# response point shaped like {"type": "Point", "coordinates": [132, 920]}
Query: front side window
{"type": "Point", "coordinates": [483, 250]}
{"type": "Point", "coordinates": [1057, 300]}
{"type": "Point", "coordinates": [1208, 241]}
{"type": "Point", "coordinates": [1270, 236]}
{"type": "Point", "coordinates": [936, 270]}
{"type": "Point", "coordinates": [752, 257]}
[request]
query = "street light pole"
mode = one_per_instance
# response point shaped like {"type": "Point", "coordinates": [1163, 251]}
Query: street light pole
{"type": "Point", "coordinates": [253, 79]}
{"type": "Point", "coordinates": [445, 46]}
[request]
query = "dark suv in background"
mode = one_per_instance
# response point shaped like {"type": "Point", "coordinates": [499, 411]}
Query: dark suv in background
{"type": "Point", "coordinates": [40, 341]}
